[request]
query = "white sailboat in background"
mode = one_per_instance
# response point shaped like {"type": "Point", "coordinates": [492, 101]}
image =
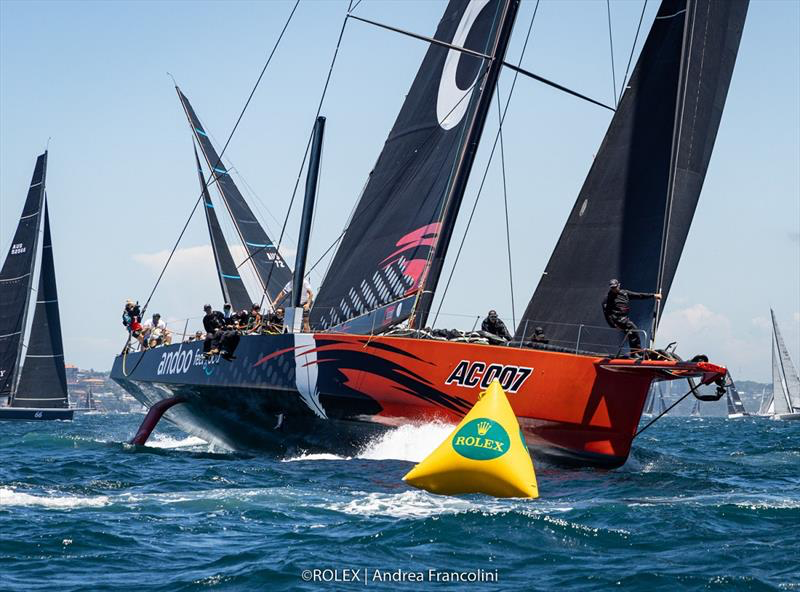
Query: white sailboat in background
{"type": "Point", "coordinates": [655, 404]}
{"type": "Point", "coordinates": [785, 382]}
{"type": "Point", "coordinates": [767, 406]}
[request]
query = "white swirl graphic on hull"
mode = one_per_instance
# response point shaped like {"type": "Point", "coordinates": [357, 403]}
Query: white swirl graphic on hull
{"type": "Point", "coordinates": [306, 372]}
{"type": "Point", "coordinates": [452, 101]}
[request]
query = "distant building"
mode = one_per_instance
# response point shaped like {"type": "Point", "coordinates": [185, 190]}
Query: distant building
{"type": "Point", "coordinates": [107, 395]}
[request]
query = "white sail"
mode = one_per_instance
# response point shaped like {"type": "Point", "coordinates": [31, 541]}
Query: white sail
{"type": "Point", "coordinates": [662, 405]}
{"type": "Point", "coordinates": [766, 403]}
{"type": "Point", "coordinates": [790, 383]}
{"type": "Point", "coordinates": [648, 405]}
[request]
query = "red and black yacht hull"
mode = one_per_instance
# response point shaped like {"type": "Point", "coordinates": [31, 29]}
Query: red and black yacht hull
{"type": "Point", "coordinates": [331, 392]}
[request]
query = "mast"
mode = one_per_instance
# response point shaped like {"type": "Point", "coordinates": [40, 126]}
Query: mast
{"type": "Point", "coordinates": [233, 289]}
{"type": "Point", "coordinates": [452, 204]}
{"type": "Point", "coordinates": [43, 378]}
{"type": "Point", "coordinates": [293, 316]}
{"type": "Point", "coordinates": [16, 280]}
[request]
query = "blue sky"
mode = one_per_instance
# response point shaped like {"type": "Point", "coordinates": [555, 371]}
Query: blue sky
{"type": "Point", "coordinates": [93, 77]}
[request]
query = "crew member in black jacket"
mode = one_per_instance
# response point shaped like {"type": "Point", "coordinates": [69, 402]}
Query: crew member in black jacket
{"type": "Point", "coordinates": [213, 323]}
{"type": "Point", "coordinates": [492, 324]}
{"type": "Point", "coordinates": [616, 307]}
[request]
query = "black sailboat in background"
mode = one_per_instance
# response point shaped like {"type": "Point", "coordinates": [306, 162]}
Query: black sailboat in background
{"type": "Point", "coordinates": [734, 402]}
{"type": "Point", "coordinates": [37, 389]}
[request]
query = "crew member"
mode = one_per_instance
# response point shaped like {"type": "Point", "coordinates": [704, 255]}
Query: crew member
{"type": "Point", "coordinates": [539, 336]}
{"type": "Point", "coordinates": [616, 308]}
{"type": "Point", "coordinates": [306, 300]}
{"type": "Point", "coordinates": [130, 315]}
{"type": "Point", "coordinates": [228, 340]}
{"type": "Point", "coordinates": [273, 321]}
{"type": "Point", "coordinates": [240, 319]}
{"type": "Point", "coordinates": [254, 318]}
{"type": "Point", "coordinates": [492, 324]}
{"type": "Point", "coordinates": [226, 310]}
{"type": "Point", "coordinates": [213, 323]}
{"type": "Point", "coordinates": [158, 329]}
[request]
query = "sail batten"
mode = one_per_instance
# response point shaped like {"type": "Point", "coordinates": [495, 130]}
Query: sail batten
{"type": "Point", "coordinates": [271, 269]}
{"type": "Point", "coordinates": [233, 289]}
{"type": "Point", "coordinates": [633, 213]}
{"type": "Point", "coordinates": [16, 279]}
{"type": "Point", "coordinates": [43, 378]}
{"type": "Point", "coordinates": [404, 215]}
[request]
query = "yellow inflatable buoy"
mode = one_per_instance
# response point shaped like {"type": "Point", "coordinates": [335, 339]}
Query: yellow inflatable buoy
{"type": "Point", "coordinates": [486, 453]}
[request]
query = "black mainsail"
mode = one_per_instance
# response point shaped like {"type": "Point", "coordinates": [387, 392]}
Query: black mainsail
{"type": "Point", "coordinates": [43, 380]}
{"type": "Point", "coordinates": [233, 289]}
{"type": "Point", "coordinates": [16, 279]}
{"type": "Point", "coordinates": [399, 231]}
{"type": "Point", "coordinates": [633, 213]}
{"type": "Point", "coordinates": [271, 269]}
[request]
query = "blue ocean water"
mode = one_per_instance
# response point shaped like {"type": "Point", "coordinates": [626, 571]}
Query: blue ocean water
{"type": "Point", "coordinates": [703, 504]}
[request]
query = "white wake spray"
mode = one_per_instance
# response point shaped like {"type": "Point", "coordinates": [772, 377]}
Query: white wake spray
{"type": "Point", "coordinates": [409, 442]}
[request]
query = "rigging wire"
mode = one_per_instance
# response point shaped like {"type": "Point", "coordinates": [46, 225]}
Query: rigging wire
{"type": "Point", "coordinates": [354, 215]}
{"type": "Point", "coordinates": [505, 204]}
{"type": "Point", "coordinates": [488, 164]}
{"type": "Point", "coordinates": [633, 48]}
{"type": "Point", "coordinates": [308, 147]}
{"type": "Point", "coordinates": [336, 241]}
{"type": "Point", "coordinates": [611, 45]}
{"type": "Point", "coordinates": [200, 197]}
{"type": "Point", "coordinates": [225, 147]}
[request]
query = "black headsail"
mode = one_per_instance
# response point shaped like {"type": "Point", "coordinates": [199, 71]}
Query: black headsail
{"type": "Point", "coordinates": [271, 269]}
{"type": "Point", "coordinates": [632, 215]}
{"type": "Point", "coordinates": [16, 279]}
{"type": "Point", "coordinates": [415, 188]}
{"type": "Point", "coordinates": [43, 380]}
{"type": "Point", "coordinates": [233, 290]}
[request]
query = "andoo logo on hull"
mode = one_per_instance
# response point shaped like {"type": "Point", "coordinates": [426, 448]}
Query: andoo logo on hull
{"type": "Point", "coordinates": [179, 362]}
{"type": "Point", "coordinates": [471, 374]}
